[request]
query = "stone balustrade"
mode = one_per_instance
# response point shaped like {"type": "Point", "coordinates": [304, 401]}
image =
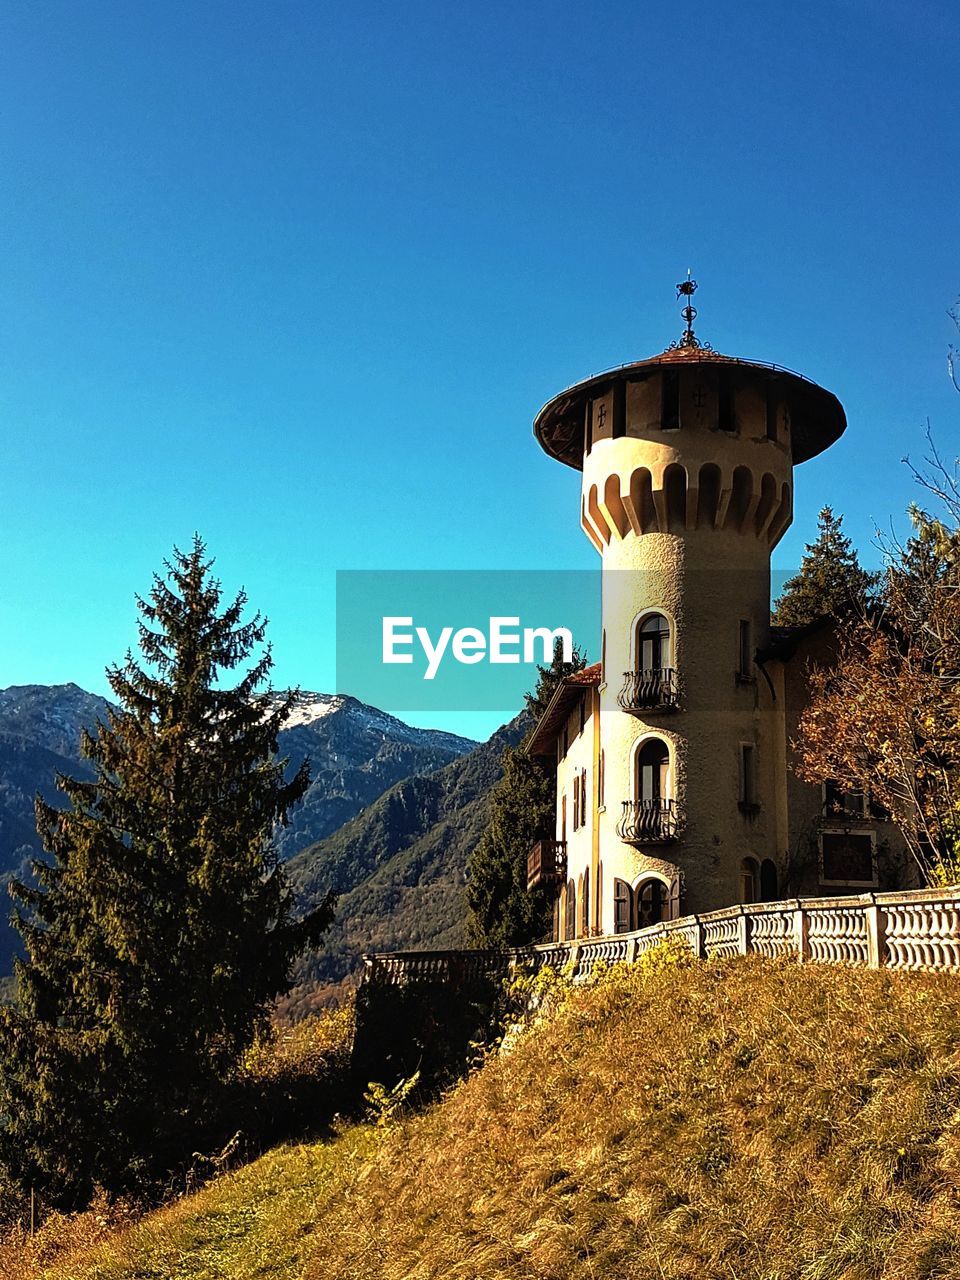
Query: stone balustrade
{"type": "Point", "coordinates": [915, 930]}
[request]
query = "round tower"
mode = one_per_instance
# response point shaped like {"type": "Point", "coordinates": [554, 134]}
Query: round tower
{"type": "Point", "coordinates": [687, 462]}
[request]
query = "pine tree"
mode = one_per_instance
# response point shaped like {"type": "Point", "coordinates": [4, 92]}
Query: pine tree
{"type": "Point", "coordinates": [502, 911]}
{"type": "Point", "coordinates": [831, 581]}
{"type": "Point", "coordinates": [161, 925]}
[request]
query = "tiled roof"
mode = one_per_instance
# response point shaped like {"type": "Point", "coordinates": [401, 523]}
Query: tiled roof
{"type": "Point", "coordinates": [544, 736]}
{"type": "Point", "coordinates": [817, 416]}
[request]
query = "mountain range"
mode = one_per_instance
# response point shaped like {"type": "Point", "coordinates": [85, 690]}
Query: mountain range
{"type": "Point", "coordinates": [399, 868]}
{"type": "Point", "coordinates": [357, 753]}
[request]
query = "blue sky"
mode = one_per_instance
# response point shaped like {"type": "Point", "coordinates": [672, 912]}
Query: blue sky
{"type": "Point", "coordinates": [299, 276]}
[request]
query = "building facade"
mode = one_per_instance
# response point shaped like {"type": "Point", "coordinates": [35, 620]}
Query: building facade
{"type": "Point", "coordinates": [673, 758]}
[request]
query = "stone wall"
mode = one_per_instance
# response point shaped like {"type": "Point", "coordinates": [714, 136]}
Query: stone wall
{"type": "Point", "coordinates": [422, 1010]}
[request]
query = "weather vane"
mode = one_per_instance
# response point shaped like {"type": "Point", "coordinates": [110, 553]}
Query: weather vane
{"type": "Point", "coordinates": [686, 289]}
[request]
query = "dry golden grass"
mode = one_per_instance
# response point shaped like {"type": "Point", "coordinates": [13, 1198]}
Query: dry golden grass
{"type": "Point", "coordinates": [739, 1121]}
{"type": "Point", "coordinates": [308, 1048]}
{"type": "Point", "coordinates": [296, 1073]}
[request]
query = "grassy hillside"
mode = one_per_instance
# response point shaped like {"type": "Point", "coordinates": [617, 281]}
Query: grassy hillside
{"type": "Point", "coordinates": [741, 1121]}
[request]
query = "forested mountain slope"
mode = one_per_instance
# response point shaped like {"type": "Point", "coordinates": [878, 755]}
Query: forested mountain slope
{"type": "Point", "coordinates": [400, 865]}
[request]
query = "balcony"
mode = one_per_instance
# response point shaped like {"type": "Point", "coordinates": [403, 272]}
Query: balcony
{"type": "Point", "coordinates": [547, 863]}
{"type": "Point", "coordinates": [652, 690]}
{"type": "Point", "coordinates": [648, 821]}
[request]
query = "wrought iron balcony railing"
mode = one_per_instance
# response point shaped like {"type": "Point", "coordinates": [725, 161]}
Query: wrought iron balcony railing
{"type": "Point", "coordinates": [547, 863]}
{"type": "Point", "coordinates": [648, 821]}
{"type": "Point", "coordinates": [651, 690]}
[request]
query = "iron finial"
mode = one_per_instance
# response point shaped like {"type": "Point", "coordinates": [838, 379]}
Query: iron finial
{"type": "Point", "coordinates": [686, 289]}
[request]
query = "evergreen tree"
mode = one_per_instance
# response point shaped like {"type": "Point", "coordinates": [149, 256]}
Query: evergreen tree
{"type": "Point", "coordinates": [831, 581]}
{"type": "Point", "coordinates": [502, 912]}
{"type": "Point", "coordinates": [161, 926]}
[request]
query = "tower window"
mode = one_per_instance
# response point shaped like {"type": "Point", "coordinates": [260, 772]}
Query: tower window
{"type": "Point", "coordinates": [585, 905]}
{"type": "Point", "coordinates": [653, 766]}
{"type": "Point", "coordinates": [649, 903]}
{"type": "Point", "coordinates": [619, 410]}
{"type": "Point", "coordinates": [670, 400]}
{"type": "Point", "coordinates": [726, 408]}
{"type": "Point", "coordinates": [653, 643]}
{"type": "Point", "coordinates": [773, 410]}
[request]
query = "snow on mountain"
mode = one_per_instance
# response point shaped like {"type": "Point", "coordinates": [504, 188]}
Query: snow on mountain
{"type": "Point", "coordinates": [311, 707]}
{"type": "Point", "coordinates": [356, 753]}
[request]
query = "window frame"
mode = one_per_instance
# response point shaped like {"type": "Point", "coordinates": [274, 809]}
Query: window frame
{"type": "Point", "coordinates": [862, 834]}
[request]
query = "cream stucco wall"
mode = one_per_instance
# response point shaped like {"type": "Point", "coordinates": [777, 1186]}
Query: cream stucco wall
{"type": "Point", "coordinates": [687, 486]}
{"type": "Point", "coordinates": [685, 520]}
{"type": "Point", "coordinates": [579, 757]}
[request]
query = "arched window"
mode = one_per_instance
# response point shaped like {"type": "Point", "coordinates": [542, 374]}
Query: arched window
{"type": "Point", "coordinates": [650, 901]}
{"type": "Point", "coordinates": [653, 643]}
{"type": "Point", "coordinates": [749, 880]}
{"type": "Point", "coordinates": [585, 905]}
{"type": "Point", "coordinates": [621, 906]}
{"type": "Point", "coordinates": [570, 930]}
{"type": "Point", "coordinates": [653, 770]}
{"type": "Point", "coordinates": [769, 885]}
{"type": "Point", "coordinates": [650, 814]}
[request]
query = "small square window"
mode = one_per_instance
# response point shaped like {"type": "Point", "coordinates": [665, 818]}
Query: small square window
{"type": "Point", "coordinates": [847, 858]}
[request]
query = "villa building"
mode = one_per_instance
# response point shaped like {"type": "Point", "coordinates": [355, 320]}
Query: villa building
{"type": "Point", "coordinates": [676, 792]}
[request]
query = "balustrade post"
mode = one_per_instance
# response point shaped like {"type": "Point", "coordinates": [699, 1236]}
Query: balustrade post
{"type": "Point", "coordinates": [743, 933]}
{"type": "Point", "coordinates": [634, 949]}
{"type": "Point", "coordinates": [575, 960]}
{"type": "Point", "coordinates": [876, 935]}
{"type": "Point", "coordinates": [801, 926]}
{"type": "Point", "coordinates": [698, 942]}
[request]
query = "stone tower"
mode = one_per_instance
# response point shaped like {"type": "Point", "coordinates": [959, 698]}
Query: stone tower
{"type": "Point", "coordinates": [687, 462]}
